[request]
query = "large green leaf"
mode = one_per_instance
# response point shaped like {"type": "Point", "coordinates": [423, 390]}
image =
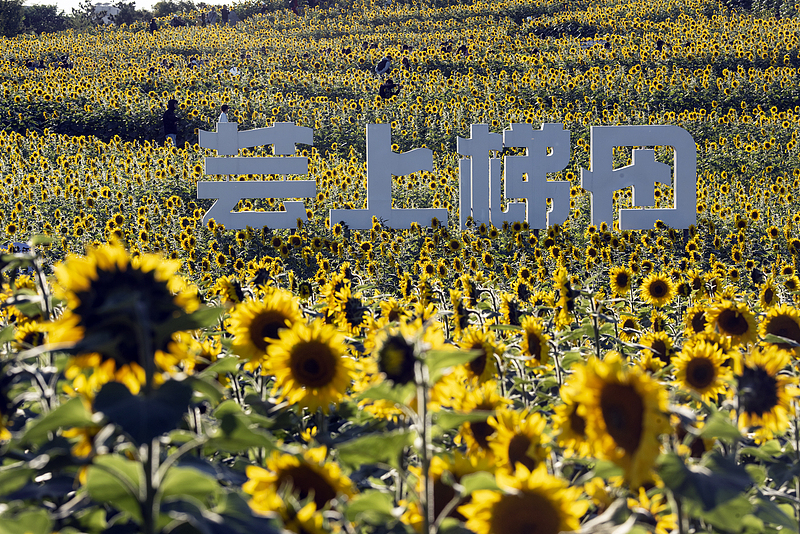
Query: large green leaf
{"type": "Point", "coordinates": [372, 506]}
{"type": "Point", "coordinates": [375, 448]}
{"type": "Point", "coordinates": [236, 432]}
{"type": "Point", "coordinates": [14, 477]}
{"type": "Point", "coordinates": [719, 425]}
{"type": "Point", "coordinates": [478, 481]}
{"type": "Point", "coordinates": [115, 480]}
{"type": "Point", "coordinates": [439, 361]}
{"type": "Point", "coordinates": [72, 413]}
{"type": "Point", "coordinates": [26, 522]}
{"type": "Point", "coordinates": [398, 394]}
{"type": "Point", "coordinates": [185, 481]}
{"type": "Point", "coordinates": [447, 419]}
{"type": "Point", "coordinates": [144, 417]}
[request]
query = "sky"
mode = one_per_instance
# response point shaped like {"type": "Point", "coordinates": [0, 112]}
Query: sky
{"type": "Point", "coordinates": [67, 5]}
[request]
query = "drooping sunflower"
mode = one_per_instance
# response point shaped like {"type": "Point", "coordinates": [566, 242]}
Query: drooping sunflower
{"type": "Point", "coordinates": [768, 296]}
{"type": "Point", "coordinates": [476, 434]}
{"type": "Point", "coordinates": [629, 327]}
{"type": "Point", "coordinates": [311, 365]}
{"type": "Point", "coordinates": [657, 289]}
{"type": "Point", "coordinates": [658, 353]}
{"type": "Point", "coordinates": [765, 396]}
{"type": "Point", "coordinates": [621, 279]}
{"type": "Point", "coordinates": [783, 321]}
{"type": "Point", "coordinates": [535, 343]}
{"type": "Point", "coordinates": [568, 425]}
{"type": "Point", "coordinates": [624, 410]}
{"type": "Point", "coordinates": [530, 501]}
{"type": "Point", "coordinates": [700, 367]}
{"type": "Point", "coordinates": [694, 319]}
{"type": "Point", "coordinates": [519, 438]}
{"type": "Point", "coordinates": [484, 366]}
{"type": "Point", "coordinates": [311, 475]}
{"type": "Point", "coordinates": [256, 324]}
{"type": "Point", "coordinates": [734, 322]}
{"type": "Point", "coordinates": [117, 307]}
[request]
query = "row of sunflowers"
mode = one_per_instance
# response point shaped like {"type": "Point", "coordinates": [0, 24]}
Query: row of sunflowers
{"type": "Point", "coordinates": [159, 374]}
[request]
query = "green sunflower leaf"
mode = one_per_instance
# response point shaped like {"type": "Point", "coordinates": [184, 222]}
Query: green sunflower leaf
{"type": "Point", "coordinates": [398, 394]}
{"type": "Point", "coordinates": [719, 426]}
{"type": "Point", "coordinates": [780, 340]}
{"type": "Point", "coordinates": [372, 507]}
{"type": "Point", "coordinates": [478, 481]}
{"type": "Point", "coordinates": [182, 481]}
{"type": "Point", "coordinates": [447, 419]}
{"type": "Point", "coordinates": [144, 417]}
{"type": "Point", "coordinates": [439, 361]}
{"type": "Point", "coordinates": [191, 321]}
{"type": "Point", "coordinates": [115, 480]}
{"type": "Point", "coordinates": [27, 522]}
{"type": "Point", "coordinates": [375, 448]}
{"type": "Point", "coordinates": [71, 414]}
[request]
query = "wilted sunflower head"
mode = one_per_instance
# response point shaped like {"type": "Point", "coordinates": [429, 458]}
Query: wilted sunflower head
{"type": "Point", "coordinates": [118, 306]}
{"type": "Point", "coordinates": [783, 321]}
{"type": "Point", "coordinates": [733, 321]}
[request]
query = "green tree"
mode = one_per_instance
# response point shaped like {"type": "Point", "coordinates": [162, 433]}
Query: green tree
{"type": "Point", "coordinates": [41, 19]}
{"type": "Point", "coordinates": [170, 7]}
{"type": "Point", "coordinates": [10, 17]}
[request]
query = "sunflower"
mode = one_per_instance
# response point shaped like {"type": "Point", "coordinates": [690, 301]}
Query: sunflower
{"type": "Point", "coordinates": [569, 426]}
{"type": "Point", "coordinates": [733, 321]}
{"type": "Point", "coordinates": [117, 307]}
{"type": "Point", "coordinates": [657, 289]}
{"type": "Point", "coordinates": [484, 366]}
{"type": "Point", "coordinates": [624, 413]}
{"type": "Point", "coordinates": [529, 501]}
{"type": "Point", "coordinates": [656, 507]}
{"type": "Point", "coordinates": [783, 321]}
{"type": "Point", "coordinates": [620, 278]}
{"type": "Point", "coordinates": [519, 438]}
{"type": "Point", "coordinates": [694, 319]}
{"type": "Point", "coordinates": [476, 434]}
{"type": "Point", "coordinates": [658, 351]}
{"type": "Point", "coordinates": [535, 343]}
{"type": "Point", "coordinates": [311, 475]}
{"type": "Point", "coordinates": [310, 365]}
{"type": "Point", "coordinates": [765, 395]}
{"type": "Point", "coordinates": [700, 367]}
{"type": "Point", "coordinates": [629, 327]}
{"type": "Point", "coordinates": [255, 325]}
{"type": "Point", "coordinates": [768, 296]}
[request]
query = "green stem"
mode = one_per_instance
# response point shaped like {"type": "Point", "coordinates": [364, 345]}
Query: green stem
{"type": "Point", "coordinates": [426, 497]}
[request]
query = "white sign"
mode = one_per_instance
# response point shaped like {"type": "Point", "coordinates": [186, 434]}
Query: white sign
{"type": "Point", "coordinates": [546, 150]}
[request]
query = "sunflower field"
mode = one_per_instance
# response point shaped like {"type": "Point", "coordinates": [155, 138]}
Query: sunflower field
{"type": "Point", "coordinates": [159, 374]}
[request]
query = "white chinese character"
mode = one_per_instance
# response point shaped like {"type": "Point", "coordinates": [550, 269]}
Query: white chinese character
{"type": "Point", "coordinates": [382, 163]}
{"type": "Point", "coordinates": [227, 140]}
{"type": "Point", "coordinates": [642, 175]}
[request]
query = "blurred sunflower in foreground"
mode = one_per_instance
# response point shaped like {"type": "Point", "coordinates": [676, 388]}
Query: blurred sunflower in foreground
{"type": "Point", "coordinates": [531, 501]}
{"type": "Point", "coordinates": [120, 312]}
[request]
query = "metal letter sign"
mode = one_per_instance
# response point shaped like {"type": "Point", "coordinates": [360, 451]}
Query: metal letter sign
{"type": "Point", "coordinates": [603, 179]}
{"type": "Point", "coordinates": [227, 140]}
{"type": "Point", "coordinates": [547, 150]}
{"type": "Point", "coordinates": [382, 163]}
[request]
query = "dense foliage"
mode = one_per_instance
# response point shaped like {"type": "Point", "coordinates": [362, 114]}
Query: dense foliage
{"type": "Point", "coordinates": [159, 374]}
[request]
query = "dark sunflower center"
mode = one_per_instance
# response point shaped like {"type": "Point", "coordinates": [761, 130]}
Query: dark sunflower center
{"type": "Point", "coordinates": [525, 513]}
{"type": "Point", "coordinates": [623, 412]}
{"type": "Point", "coordinates": [396, 360]}
{"type": "Point", "coordinates": [534, 346]}
{"type": "Point", "coordinates": [518, 452]}
{"type": "Point", "coordinates": [622, 280]}
{"type": "Point", "coordinates": [732, 323]}
{"type": "Point", "coordinates": [769, 295]}
{"type": "Point", "coordinates": [481, 430]}
{"type": "Point", "coordinates": [700, 373]}
{"type": "Point", "coordinates": [699, 321]}
{"type": "Point", "coordinates": [784, 326]}
{"type": "Point", "coordinates": [478, 364]}
{"type": "Point", "coordinates": [758, 390]}
{"type": "Point", "coordinates": [659, 348]}
{"type": "Point", "coordinates": [313, 364]}
{"type": "Point", "coordinates": [629, 324]}
{"type": "Point", "coordinates": [577, 423]}
{"type": "Point", "coordinates": [266, 325]}
{"type": "Point", "coordinates": [658, 289]}
{"type": "Point", "coordinates": [306, 481]}
{"type": "Point", "coordinates": [442, 495]}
